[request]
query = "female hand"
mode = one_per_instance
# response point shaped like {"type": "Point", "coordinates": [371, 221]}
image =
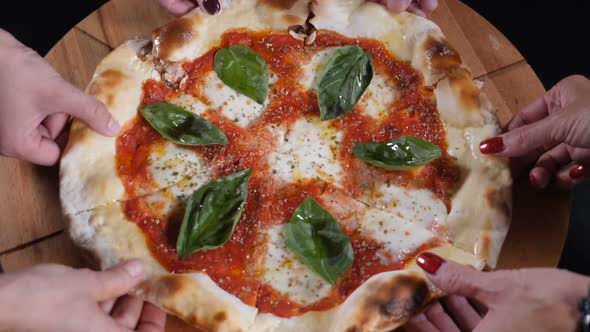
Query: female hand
{"type": "Point", "coordinates": [181, 7]}
{"type": "Point", "coordinates": [551, 134]}
{"type": "Point", "coordinates": [418, 7]}
{"type": "Point", "coordinates": [36, 104]}
{"type": "Point", "coordinates": [511, 300]}
{"type": "Point", "coordinates": [56, 298]}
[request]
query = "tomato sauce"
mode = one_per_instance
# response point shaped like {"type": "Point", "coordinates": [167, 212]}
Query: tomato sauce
{"type": "Point", "coordinates": [236, 266]}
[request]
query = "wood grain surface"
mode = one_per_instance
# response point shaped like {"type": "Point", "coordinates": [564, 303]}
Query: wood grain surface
{"type": "Point", "coordinates": [32, 226]}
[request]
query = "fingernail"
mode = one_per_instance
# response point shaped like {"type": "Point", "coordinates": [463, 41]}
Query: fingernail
{"type": "Point", "coordinates": [134, 268]}
{"type": "Point", "coordinates": [492, 145]}
{"type": "Point", "coordinates": [113, 126]}
{"type": "Point", "coordinates": [534, 182]}
{"type": "Point", "coordinates": [211, 6]}
{"type": "Point", "coordinates": [429, 262]}
{"type": "Point", "coordinates": [577, 172]}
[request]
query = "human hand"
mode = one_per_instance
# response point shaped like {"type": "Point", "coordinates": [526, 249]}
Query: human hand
{"type": "Point", "coordinates": [181, 7]}
{"type": "Point", "coordinates": [418, 7]}
{"type": "Point", "coordinates": [551, 134]}
{"type": "Point", "coordinates": [36, 104]}
{"type": "Point", "coordinates": [56, 298]}
{"type": "Point", "coordinates": [511, 300]}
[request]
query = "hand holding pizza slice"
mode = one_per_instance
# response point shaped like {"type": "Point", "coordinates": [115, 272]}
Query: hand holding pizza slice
{"type": "Point", "coordinates": [282, 164]}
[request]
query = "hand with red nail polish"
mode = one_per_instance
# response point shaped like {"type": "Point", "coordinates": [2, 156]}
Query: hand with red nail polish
{"type": "Point", "coordinates": [511, 300]}
{"type": "Point", "coordinates": [180, 7]}
{"type": "Point", "coordinates": [418, 7]}
{"type": "Point", "coordinates": [36, 104]}
{"type": "Point", "coordinates": [57, 298]}
{"type": "Point", "coordinates": [550, 136]}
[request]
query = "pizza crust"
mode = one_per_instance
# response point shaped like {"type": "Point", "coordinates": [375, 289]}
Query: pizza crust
{"type": "Point", "coordinates": [87, 179]}
{"type": "Point", "coordinates": [193, 35]}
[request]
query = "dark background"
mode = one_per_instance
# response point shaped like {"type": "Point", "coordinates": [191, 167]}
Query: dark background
{"type": "Point", "coordinates": [553, 36]}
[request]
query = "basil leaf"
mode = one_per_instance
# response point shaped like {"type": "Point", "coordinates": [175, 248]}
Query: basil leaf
{"type": "Point", "coordinates": [181, 126]}
{"type": "Point", "coordinates": [398, 154]}
{"type": "Point", "coordinates": [243, 70]}
{"type": "Point", "coordinates": [315, 237]}
{"type": "Point", "coordinates": [212, 213]}
{"type": "Point", "coordinates": [345, 78]}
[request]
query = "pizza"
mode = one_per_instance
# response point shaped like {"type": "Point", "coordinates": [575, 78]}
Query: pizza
{"type": "Point", "coordinates": [281, 165]}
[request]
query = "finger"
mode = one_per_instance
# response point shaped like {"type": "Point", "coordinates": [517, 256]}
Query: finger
{"type": "Point", "coordinates": [455, 279]}
{"type": "Point", "coordinates": [127, 311]}
{"type": "Point", "coordinates": [414, 8]}
{"type": "Point", "coordinates": [519, 165]}
{"type": "Point", "coordinates": [462, 312]}
{"type": "Point", "coordinates": [570, 176]}
{"type": "Point", "coordinates": [555, 158]}
{"type": "Point", "coordinates": [102, 324]}
{"type": "Point", "coordinates": [152, 319]}
{"type": "Point", "coordinates": [107, 306]}
{"type": "Point", "coordinates": [440, 319]}
{"type": "Point", "coordinates": [548, 164]}
{"type": "Point", "coordinates": [44, 131]}
{"type": "Point", "coordinates": [88, 109]}
{"type": "Point", "coordinates": [117, 281]}
{"type": "Point", "coordinates": [177, 7]}
{"type": "Point", "coordinates": [481, 309]}
{"type": "Point", "coordinates": [397, 6]}
{"type": "Point", "coordinates": [420, 324]}
{"type": "Point", "coordinates": [210, 6]}
{"type": "Point", "coordinates": [64, 135]}
{"type": "Point", "coordinates": [531, 113]}
{"type": "Point", "coordinates": [39, 150]}
{"type": "Point", "coordinates": [428, 6]}
{"type": "Point", "coordinates": [559, 160]}
{"type": "Point", "coordinates": [55, 123]}
{"type": "Point", "coordinates": [539, 177]}
{"type": "Point", "coordinates": [580, 155]}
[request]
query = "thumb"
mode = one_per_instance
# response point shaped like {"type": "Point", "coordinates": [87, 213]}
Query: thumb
{"type": "Point", "coordinates": [118, 281]}
{"type": "Point", "coordinates": [455, 279]}
{"type": "Point", "coordinates": [88, 109]}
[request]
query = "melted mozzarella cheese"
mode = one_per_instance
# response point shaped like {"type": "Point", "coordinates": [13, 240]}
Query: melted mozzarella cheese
{"type": "Point", "coordinates": [419, 206]}
{"type": "Point", "coordinates": [400, 236]}
{"type": "Point", "coordinates": [235, 106]}
{"type": "Point", "coordinates": [307, 151]}
{"type": "Point", "coordinates": [170, 163]}
{"type": "Point", "coordinates": [285, 272]}
{"type": "Point", "coordinates": [190, 103]}
{"type": "Point", "coordinates": [377, 102]}
{"type": "Point", "coordinates": [312, 69]}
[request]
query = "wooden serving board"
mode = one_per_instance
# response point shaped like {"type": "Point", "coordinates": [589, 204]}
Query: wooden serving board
{"type": "Point", "coordinates": [31, 220]}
